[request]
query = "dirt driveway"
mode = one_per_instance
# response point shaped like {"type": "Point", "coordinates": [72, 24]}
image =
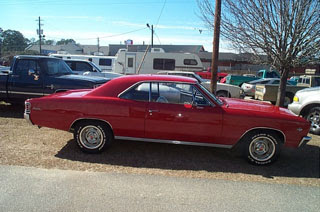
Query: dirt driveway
{"type": "Point", "coordinates": [26, 145]}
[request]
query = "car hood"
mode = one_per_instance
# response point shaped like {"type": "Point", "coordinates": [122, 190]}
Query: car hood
{"type": "Point", "coordinates": [255, 106]}
{"type": "Point", "coordinates": [311, 91]}
{"type": "Point", "coordinates": [92, 79]}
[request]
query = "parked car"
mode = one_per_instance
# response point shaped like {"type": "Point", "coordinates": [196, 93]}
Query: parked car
{"type": "Point", "coordinates": [309, 80]}
{"type": "Point", "coordinates": [206, 74]}
{"type": "Point", "coordinates": [168, 109]}
{"type": "Point", "coordinates": [249, 88]}
{"type": "Point", "coordinates": [87, 68]}
{"type": "Point", "coordinates": [223, 90]}
{"type": "Point", "coordinates": [238, 80]}
{"type": "Point", "coordinates": [306, 103]}
{"type": "Point", "coordinates": [36, 76]}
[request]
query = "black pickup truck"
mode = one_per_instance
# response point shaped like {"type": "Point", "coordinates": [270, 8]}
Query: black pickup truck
{"type": "Point", "coordinates": [36, 76]}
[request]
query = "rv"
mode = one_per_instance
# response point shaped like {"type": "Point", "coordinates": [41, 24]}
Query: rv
{"type": "Point", "coordinates": [155, 60]}
{"type": "Point", "coordinates": [105, 63]}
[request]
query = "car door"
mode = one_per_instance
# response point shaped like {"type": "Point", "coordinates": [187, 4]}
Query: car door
{"type": "Point", "coordinates": [180, 112]}
{"type": "Point", "coordinates": [22, 84]}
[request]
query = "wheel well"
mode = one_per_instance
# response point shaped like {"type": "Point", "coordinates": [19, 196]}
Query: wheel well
{"type": "Point", "coordinates": [225, 92]}
{"type": "Point", "coordinates": [262, 130]}
{"type": "Point", "coordinates": [307, 108]}
{"type": "Point", "coordinates": [79, 121]}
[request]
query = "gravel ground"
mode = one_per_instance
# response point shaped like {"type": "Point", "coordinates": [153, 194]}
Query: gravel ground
{"type": "Point", "coordinates": [26, 145]}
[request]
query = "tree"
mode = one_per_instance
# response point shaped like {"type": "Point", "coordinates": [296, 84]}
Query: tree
{"type": "Point", "coordinates": [65, 41]}
{"type": "Point", "coordinates": [287, 31]}
{"type": "Point", "coordinates": [13, 41]}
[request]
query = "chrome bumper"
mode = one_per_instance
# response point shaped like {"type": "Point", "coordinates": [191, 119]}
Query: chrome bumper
{"type": "Point", "coordinates": [304, 141]}
{"type": "Point", "coordinates": [27, 117]}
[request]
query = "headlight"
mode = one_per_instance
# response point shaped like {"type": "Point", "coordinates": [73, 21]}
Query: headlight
{"type": "Point", "coordinates": [295, 99]}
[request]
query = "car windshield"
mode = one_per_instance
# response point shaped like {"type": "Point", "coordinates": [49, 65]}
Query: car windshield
{"type": "Point", "coordinates": [55, 67]}
{"type": "Point", "coordinates": [216, 99]}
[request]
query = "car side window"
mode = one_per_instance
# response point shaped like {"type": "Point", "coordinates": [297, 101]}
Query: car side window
{"type": "Point", "coordinates": [82, 66]}
{"type": "Point", "coordinates": [139, 92]}
{"type": "Point", "coordinates": [23, 67]}
{"type": "Point", "coordinates": [177, 93]}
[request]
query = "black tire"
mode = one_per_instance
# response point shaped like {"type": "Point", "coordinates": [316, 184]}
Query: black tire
{"type": "Point", "coordinates": [93, 136]}
{"type": "Point", "coordinates": [313, 116]}
{"type": "Point", "coordinates": [262, 148]}
{"type": "Point", "coordinates": [222, 94]}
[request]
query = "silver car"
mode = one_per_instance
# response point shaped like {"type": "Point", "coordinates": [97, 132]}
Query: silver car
{"type": "Point", "coordinates": [306, 103]}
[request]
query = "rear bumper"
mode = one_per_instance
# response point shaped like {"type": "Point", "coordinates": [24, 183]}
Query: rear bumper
{"type": "Point", "coordinates": [27, 117]}
{"type": "Point", "coordinates": [304, 141]}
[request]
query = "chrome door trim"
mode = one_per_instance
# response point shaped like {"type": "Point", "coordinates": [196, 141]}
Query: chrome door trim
{"type": "Point", "coordinates": [173, 142]}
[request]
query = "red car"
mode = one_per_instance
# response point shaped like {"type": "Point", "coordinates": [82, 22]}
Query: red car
{"type": "Point", "coordinates": [168, 109]}
{"type": "Point", "coordinates": [207, 74]}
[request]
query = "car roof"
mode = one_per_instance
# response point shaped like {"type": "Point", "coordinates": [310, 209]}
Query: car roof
{"type": "Point", "coordinates": [35, 57]}
{"type": "Point", "coordinates": [115, 86]}
{"type": "Point", "coordinates": [77, 60]}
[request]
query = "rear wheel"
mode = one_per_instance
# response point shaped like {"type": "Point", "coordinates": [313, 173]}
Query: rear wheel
{"type": "Point", "coordinates": [93, 136]}
{"type": "Point", "coordinates": [262, 148]}
{"type": "Point", "coordinates": [313, 117]}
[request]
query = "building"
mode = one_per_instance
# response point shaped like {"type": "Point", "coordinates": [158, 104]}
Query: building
{"type": "Point", "coordinates": [70, 48]}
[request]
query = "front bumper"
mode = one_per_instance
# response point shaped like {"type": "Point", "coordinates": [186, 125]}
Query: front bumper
{"type": "Point", "coordinates": [304, 141]}
{"type": "Point", "coordinates": [27, 117]}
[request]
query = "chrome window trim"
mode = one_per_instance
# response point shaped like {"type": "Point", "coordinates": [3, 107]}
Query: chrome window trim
{"type": "Point", "coordinates": [173, 142]}
{"type": "Point", "coordinates": [27, 93]}
{"type": "Point", "coordinates": [157, 81]}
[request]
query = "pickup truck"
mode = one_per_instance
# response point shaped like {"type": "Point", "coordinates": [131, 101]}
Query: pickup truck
{"type": "Point", "coordinates": [36, 76]}
{"type": "Point", "coordinates": [207, 74]}
{"type": "Point", "coordinates": [270, 92]}
{"type": "Point", "coordinates": [239, 79]}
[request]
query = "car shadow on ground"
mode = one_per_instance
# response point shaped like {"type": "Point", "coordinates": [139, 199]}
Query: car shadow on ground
{"type": "Point", "coordinates": [301, 163]}
{"type": "Point", "coordinates": [11, 111]}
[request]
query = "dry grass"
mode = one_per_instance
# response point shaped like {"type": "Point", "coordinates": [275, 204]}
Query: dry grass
{"type": "Point", "coordinates": [26, 145]}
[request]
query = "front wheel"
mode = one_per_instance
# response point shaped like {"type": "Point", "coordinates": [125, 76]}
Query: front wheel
{"type": "Point", "coordinates": [313, 117]}
{"type": "Point", "coordinates": [262, 148]}
{"type": "Point", "coordinates": [93, 136]}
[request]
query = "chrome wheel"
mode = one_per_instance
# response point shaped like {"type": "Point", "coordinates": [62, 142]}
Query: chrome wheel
{"type": "Point", "coordinates": [314, 119]}
{"type": "Point", "coordinates": [91, 137]}
{"type": "Point", "coordinates": [262, 148]}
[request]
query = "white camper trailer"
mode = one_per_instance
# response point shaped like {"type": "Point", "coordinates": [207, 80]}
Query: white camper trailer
{"type": "Point", "coordinates": [105, 63]}
{"type": "Point", "coordinates": [154, 61]}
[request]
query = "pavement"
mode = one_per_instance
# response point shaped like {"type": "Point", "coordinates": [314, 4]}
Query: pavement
{"type": "Point", "coordinates": [36, 189]}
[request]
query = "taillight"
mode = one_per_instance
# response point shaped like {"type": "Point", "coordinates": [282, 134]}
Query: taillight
{"type": "Point", "coordinates": [27, 107]}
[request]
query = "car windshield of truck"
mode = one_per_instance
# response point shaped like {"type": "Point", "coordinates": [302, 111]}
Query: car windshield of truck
{"type": "Point", "coordinates": [56, 67]}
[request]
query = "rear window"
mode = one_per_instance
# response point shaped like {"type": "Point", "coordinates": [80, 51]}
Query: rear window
{"type": "Point", "coordinates": [105, 62]}
{"type": "Point", "coordinates": [164, 64]}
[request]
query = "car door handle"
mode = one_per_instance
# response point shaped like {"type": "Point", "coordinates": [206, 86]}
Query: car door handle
{"type": "Point", "coordinates": [151, 111]}
{"type": "Point", "coordinates": [50, 86]}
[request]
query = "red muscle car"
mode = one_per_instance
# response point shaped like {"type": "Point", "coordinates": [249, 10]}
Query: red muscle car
{"type": "Point", "coordinates": [168, 109]}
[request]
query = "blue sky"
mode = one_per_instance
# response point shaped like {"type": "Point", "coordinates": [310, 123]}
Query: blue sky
{"type": "Point", "coordinates": [113, 21]}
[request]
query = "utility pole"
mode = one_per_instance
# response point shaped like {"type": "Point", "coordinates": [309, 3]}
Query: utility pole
{"type": "Point", "coordinates": [40, 33]}
{"type": "Point", "coordinates": [151, 34]}
{"type": "Point", "coordinates": [215, 50]}
{"type": "Point", "coordinates": [98, 44]}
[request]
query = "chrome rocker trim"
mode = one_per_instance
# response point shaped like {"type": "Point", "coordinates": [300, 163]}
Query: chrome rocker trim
{"type": "Point", "coordinates": [304, 141]}
{"type": "Point", "coordinates": [173, 142]}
